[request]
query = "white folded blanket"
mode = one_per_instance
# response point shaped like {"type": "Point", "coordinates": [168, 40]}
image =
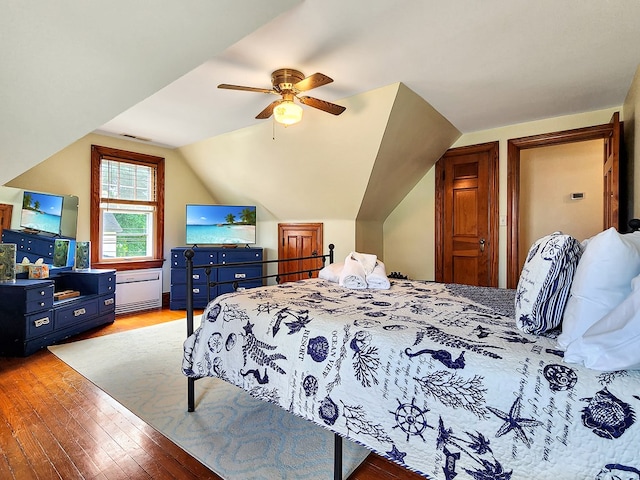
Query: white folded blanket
{"type": "Point", "coordinates": [378, 278]}
{"type": "Point", "coordinates": [353, 274]}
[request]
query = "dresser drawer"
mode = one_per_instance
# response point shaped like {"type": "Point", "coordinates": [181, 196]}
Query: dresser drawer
{"type": "Point", "coordinates": [107, 303]}
{"type": "Point", "coordinates": [39, 323]}
{"type": "Point", "coordinates": [179, 276]}
{"type": "Point", "coordinates": [37, 246]}
{"type": "Point", "coordinates": [226, 274]}
{"type": "Point", "coordinates": [76, 312]}
{"type": "Point", "coordinates": [26, 296]}
{"type": "Point", "coordinates": [200, 257]}
{"type": "Point", "coordinates": [240, 255]}
{"type": "Point", "coordinates": [179, 292]}
{"type": "Point", "coordinates": [39, 298]}
{"type": "Point", "coordinates": [228, 287]}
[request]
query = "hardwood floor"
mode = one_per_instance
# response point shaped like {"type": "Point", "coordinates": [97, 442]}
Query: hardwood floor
{"type": "Point", "coordinates": [54, 423]}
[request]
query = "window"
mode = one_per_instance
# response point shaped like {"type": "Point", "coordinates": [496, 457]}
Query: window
{"type": "Point", "coordinates": [127, 209]}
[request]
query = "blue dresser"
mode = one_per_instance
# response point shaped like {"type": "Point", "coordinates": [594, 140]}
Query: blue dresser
{"type": "Point", "coordinates": [212, 256]}
{"type": "Point", "coordinates": [37, 313]}
{"type": "Point", "coordinates": [35, 246]}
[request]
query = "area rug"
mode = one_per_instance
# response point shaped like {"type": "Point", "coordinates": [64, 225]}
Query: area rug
{"type": "Point", "coordinates": [235, 435]}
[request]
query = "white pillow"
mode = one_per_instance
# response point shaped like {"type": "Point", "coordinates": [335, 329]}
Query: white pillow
{"type": "Point", "coordinates": [602, 281]}
{"type": "Point", "coordinates": [545, 281]}
{"type": "Point", "coordinates": [331, 272]}
{"type": "Point", "coordinates": [613, 342]}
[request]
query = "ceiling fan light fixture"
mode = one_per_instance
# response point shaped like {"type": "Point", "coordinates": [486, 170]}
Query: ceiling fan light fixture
{"type": "Point", "coordinates": [287, 113]}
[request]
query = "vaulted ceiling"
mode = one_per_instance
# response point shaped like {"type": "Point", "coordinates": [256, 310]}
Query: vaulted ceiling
{"type": "Point", "coordinates": [122, 68]}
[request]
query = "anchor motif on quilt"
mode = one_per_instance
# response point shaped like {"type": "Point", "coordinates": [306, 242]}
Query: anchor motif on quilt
{"type": "Point", "coordinates": [255, 349]}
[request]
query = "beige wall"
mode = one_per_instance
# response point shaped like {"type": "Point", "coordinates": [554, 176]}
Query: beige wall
{"type": "Point", "coordinates": [69, 172]}
{"type": "Point", "coordinates": [400, 234]}
{"type": "Point", "coordinates": [548, 176]}
{"type": "Point", "coordinates": [631, 133]}
{"type": "Point", "coordinates": [409, 243]}
{"type": "Point", "coordinates": [347, 172]}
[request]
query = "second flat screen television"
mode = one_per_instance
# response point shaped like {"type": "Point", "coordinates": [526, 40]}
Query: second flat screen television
{"type": "Point", "coordinates": [221, 224]}
{"type": "Point", "coordinates": [41, 212]}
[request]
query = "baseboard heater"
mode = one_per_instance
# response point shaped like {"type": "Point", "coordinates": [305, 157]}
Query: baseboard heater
{"type": "Point", "coordinates": [138, 290]}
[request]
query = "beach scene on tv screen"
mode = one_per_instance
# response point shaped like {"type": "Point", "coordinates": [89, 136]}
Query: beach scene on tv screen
{"type": "Point", "coordinates": [220, 224]}
{"type": "Point", "coordinates": [41, 212]}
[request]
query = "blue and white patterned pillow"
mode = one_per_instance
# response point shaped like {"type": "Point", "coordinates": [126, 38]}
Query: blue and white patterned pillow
{"type": "Point", "coordinates": [545, 282]}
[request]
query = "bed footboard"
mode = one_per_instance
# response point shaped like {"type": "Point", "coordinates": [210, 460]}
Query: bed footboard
{"type": "Point", "coordinates": [189, 254]}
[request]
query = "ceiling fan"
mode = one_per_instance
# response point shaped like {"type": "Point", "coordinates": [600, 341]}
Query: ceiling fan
{"type": "Point", "coordinates": [289, 83]}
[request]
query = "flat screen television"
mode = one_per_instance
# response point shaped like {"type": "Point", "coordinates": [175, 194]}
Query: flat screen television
{"type": "Point", "coordinates": [221, 224]}
{"type": "Point", "coordinates": [41, 212]}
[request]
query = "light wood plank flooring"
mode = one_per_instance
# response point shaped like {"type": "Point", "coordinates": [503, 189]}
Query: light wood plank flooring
{"type": "Point", "coordinates": [54, 423]}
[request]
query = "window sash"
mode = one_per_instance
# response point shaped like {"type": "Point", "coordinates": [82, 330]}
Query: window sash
{"type": "Point", "coordinates": [140, 247]}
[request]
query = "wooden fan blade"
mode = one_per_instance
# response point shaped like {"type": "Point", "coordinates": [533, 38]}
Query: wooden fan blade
{"type": "Point", "coordinates": [268, 111]}
{"type": "Point", "coordinates": [322, 105]}
{"type": "Point", "coordinates": [246, 89]}
{"type": "Point", "coordinates": [312, 81]}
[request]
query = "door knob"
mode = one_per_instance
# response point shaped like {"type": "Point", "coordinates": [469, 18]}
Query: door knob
{"type": "Point", "coordinates": [482, 242]}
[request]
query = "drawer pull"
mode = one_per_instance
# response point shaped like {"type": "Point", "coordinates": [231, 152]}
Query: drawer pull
{"type": "Point", "coordinates": [42, 293]}
{"type": "Point", "coordinates": [196, 276]}
{"type": "Point", "coordinates": [78, 312]}
{"type": "Point", "coordinates": [196, 290]}
{"type": "Point", "coordinates": [41, 322]}
{"type": "Point", "coordinates": [240, 275]}
{"type": "Point", "coordinates": [42, 304]}
{"type": "Point", "coordinates": [109, 301]}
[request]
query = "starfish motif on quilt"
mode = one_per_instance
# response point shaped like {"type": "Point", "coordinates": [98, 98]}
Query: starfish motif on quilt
{"type": "Point", "coordinates": [514, 422]}
{"type": "Point", "coordinates": [255, 349]}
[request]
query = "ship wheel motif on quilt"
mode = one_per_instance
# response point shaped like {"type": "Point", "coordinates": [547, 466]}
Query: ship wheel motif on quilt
{"type": "Point", "coordinates": [411, 419]}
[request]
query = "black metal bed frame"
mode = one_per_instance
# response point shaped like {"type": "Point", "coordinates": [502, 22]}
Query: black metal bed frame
{"type": "Point", "coordinates": [189, 254]}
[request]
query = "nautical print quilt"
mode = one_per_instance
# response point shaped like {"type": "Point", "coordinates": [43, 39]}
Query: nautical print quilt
{"type": "Point", "coordinates": [435, 377]}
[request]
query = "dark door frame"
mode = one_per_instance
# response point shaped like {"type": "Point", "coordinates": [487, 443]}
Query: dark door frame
{"type": "Point", "coordinates": [514, 147]}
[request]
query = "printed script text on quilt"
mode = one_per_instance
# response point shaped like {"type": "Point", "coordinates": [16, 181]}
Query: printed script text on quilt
{"type": "Point", "coordinates": [435, 377]}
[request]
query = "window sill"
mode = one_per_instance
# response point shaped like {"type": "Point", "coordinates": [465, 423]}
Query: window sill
{"type": "Point", "coordinates": [129, 265]}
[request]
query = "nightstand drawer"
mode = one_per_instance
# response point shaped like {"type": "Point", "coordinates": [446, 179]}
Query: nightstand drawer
{"type": "Point", "coordinates": [76, 312]}
{"type": "Point", "coordinates": [39, 323]}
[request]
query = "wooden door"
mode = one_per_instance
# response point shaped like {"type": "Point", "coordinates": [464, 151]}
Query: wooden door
{"type": "Point", "coordinates": [298, 240]}
{"type": "Point", "coordinates": [467, 215]}
{"type": "Point", "coordinates": [5, 216]}
{"type": "Point", "coordinates": [611, 174]}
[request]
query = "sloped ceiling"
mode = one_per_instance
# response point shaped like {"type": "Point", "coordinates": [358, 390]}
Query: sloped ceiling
{"type": "Point", "coordinates": [69, 67]}
{"type": "Point", "coordinates": [357, 166]}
